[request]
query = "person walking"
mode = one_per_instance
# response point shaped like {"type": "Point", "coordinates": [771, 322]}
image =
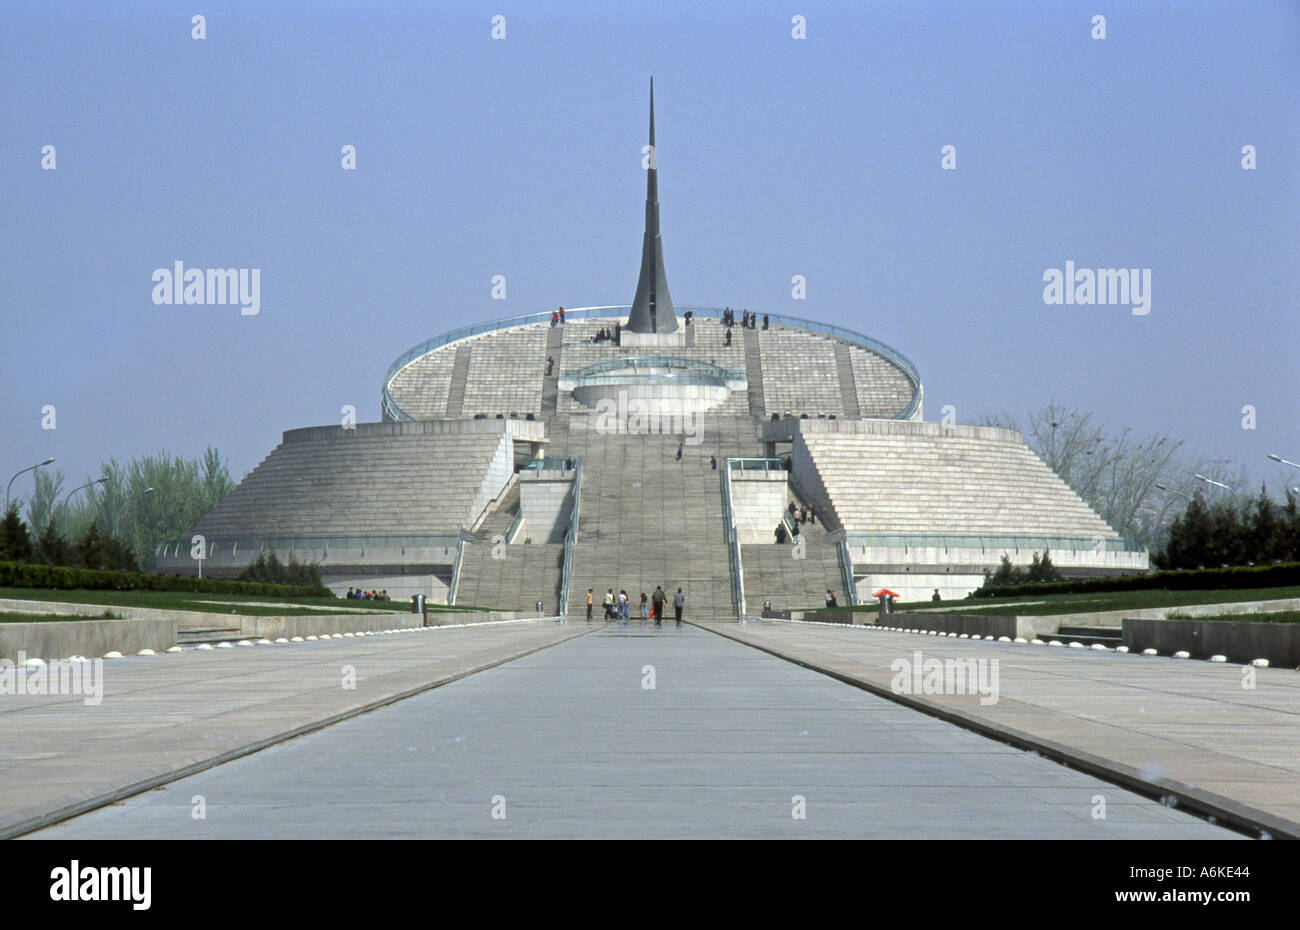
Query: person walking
{"type": "Point", "coordinates": [780, 534]}
{"type": "Point", "coordinates": [622, 605]}
{"type": "Point", "coordinates": [679, 601]}
{"type": "Point", "coordinates": [713, 463]}
{"type": "Point", "coordinates": [645, 610]}
{"type": "Point", "coordinates": [609, 605]}
{"type": "Point", "coordinates": [589, 605]}
{"type": "Point", "coordinates": [679, 450]}
{"type": "Point", "coordinates": [659, 599]}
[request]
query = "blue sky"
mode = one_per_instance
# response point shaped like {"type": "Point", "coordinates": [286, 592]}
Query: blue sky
{"type": "Point", "coordinates": [521, 157]}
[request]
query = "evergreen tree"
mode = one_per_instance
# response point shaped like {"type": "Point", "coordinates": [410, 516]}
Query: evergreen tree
{"type": "Point", "coordinates": [52, 549]}
{"type": "Point", "coordinates": [15, 543]}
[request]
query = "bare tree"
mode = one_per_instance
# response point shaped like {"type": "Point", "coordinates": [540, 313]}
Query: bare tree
{"type": "Point", "coordinates": [1112, 470]}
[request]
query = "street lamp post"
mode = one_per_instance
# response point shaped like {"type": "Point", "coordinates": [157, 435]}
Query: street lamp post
{"type": "Point", "coordinates": [69, 497]}
{"type": "Point", "coordinates": [1161, 487]}
{"type": "Point", "coordinates": [117, 511]}
{"type": "Point", "coordinates": [1278, 458]}
{"type": "Point", "coordinates": [16, 474]}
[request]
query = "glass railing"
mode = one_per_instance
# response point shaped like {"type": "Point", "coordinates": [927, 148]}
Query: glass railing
{"type": "Point", "coordinates": [635, 363]}
{"type": "Point", "coordinates": [550, 463]}
{"type": "Point", "coordinates": [733, 539]}
{"type": "Point", "coordinates": [996, 543]}
{"type": "Point", "coordinates": [394, 412]}
{"type": "Point", "coordinates": [677, 378]}
{"type": "Point", "coordinates": [756, 464]}
{"type": "Point", "coordinates": [566, 570]}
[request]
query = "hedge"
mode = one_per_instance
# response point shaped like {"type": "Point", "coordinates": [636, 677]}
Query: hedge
{"type": "Point", "coordinates": [1285, 574]}
{"type": "Point", "coordinates": [26, 575]}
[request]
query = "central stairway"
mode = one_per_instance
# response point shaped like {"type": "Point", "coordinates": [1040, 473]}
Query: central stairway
{"type": "Point", "coordinates": [634, 531]}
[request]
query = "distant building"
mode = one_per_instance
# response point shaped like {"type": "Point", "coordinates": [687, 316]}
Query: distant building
{"type": "Point", "coordinates": [491, 482]}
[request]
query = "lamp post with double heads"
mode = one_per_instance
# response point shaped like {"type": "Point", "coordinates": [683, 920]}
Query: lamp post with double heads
{"type": "Point", "coordinates": [17, 473]}
{"type": "Point", "coordinates": [69, 497]}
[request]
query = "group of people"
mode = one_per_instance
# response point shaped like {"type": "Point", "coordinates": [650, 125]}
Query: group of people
{"type": "Point", "coordinates": [747, 320]}
{"type": "Point", "coordinates": [557, 317]}
{"type": "Point", "coordinates": [798, 517]}
{"type": "Point", "coordinates": [802, 514]}
{"type": "Point", "coordinates": [604, 334]}
{"type": "Point", "coordinates": [652, 608]}
{"type": "Point", "coordinates": [359, 595]}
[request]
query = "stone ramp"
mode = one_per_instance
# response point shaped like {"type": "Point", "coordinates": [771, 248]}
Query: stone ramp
{"type": "Point", "coordinates": [576, 747]}
{"type": "Point", "coordinates": [1163, 727]}
{"type": "Point", "coordinates": [167, 716]}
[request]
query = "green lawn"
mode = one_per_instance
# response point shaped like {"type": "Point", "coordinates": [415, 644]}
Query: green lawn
{"type": "Point", "coordinates": [1051, 604]}
{"type": "Point", "coordinates": [1279, 616]}
{"type": "Point", "coordinates": [50, 618]}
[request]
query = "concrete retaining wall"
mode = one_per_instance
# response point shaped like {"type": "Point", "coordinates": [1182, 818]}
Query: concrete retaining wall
{"type": "Point", "coordinates": [1241, 641]}
{"type": "Point", "coordinates": [973, 624]}
{"type": "Point", "coordinates": [59, 639]}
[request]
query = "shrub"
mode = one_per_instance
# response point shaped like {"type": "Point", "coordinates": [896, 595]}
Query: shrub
{"type": "Point", "coordinates": [25, 575]}
{"type": "Point", "coordinates": [1285, 574]}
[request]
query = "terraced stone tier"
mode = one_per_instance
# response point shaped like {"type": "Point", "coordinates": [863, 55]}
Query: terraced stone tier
{"type": "Point", "coordinates": [803, 371]}
{"type": "Point", "coordinates": [924, 478]}
{"type": "Point", "coordinates": [380, 479]}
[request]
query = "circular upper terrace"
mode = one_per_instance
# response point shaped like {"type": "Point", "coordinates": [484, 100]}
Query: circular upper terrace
{"type": "Point", "coordinates": [794, 366]}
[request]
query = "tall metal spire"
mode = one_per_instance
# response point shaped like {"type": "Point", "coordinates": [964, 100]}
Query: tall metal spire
{"type": "Point", "coordinates": [652, 309]}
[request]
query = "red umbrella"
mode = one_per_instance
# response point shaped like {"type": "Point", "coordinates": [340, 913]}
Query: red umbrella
{"type": "Point", "coordinates": [883, 591]}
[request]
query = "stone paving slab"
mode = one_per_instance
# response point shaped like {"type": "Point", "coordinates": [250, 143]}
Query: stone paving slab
{"type": "Point", "coordinates": [574, 746]}
{"type": "Point", "coordinates": [1176, 727]}
{"type": "Point", "coordinates": [180, 712]}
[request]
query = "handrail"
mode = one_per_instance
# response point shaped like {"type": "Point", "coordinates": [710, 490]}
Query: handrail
{"type": "Point", "coordinates": [733, 542]}
{"type": "Point", "coordinates": [997, 542]}
{"type": "Point", "coordinates": [493, 503]}
{"type": "Point", "coordinates": [394, 412]}
{"type": "Point", "coordinates": [514, 526]}
{"type": "Point", "coordinates": [566, 568]}
{"type": "Point", "coordinates": [846, 569]}
{"type": "Point", "coordinates": [455, 573]}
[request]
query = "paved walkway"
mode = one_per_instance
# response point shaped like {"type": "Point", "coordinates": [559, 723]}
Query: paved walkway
{"type": "Point", "coordinates": [568, 742]}
{"type": "Point", "coordinates": [170, 713]}
{"type": "Point", "coordinates": [1184, 726]}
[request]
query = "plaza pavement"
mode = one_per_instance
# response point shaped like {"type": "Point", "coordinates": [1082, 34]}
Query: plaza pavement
{"type": "Point", "coordinates": [570, 741]}
{"type": "Point", "coordinates": [1182, 728]}
{"type": "Point", "coordinates": [174, 713]}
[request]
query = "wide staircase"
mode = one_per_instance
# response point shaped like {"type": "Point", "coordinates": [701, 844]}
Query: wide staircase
{"type": "Point", "coordinates": [526, 575]}
{"type": "Point", "coordinates": [647, 519]}
{"type": "Point", "coordinates": [773, 573]}
{"type": "Point", "coordinates": [503, 513]}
